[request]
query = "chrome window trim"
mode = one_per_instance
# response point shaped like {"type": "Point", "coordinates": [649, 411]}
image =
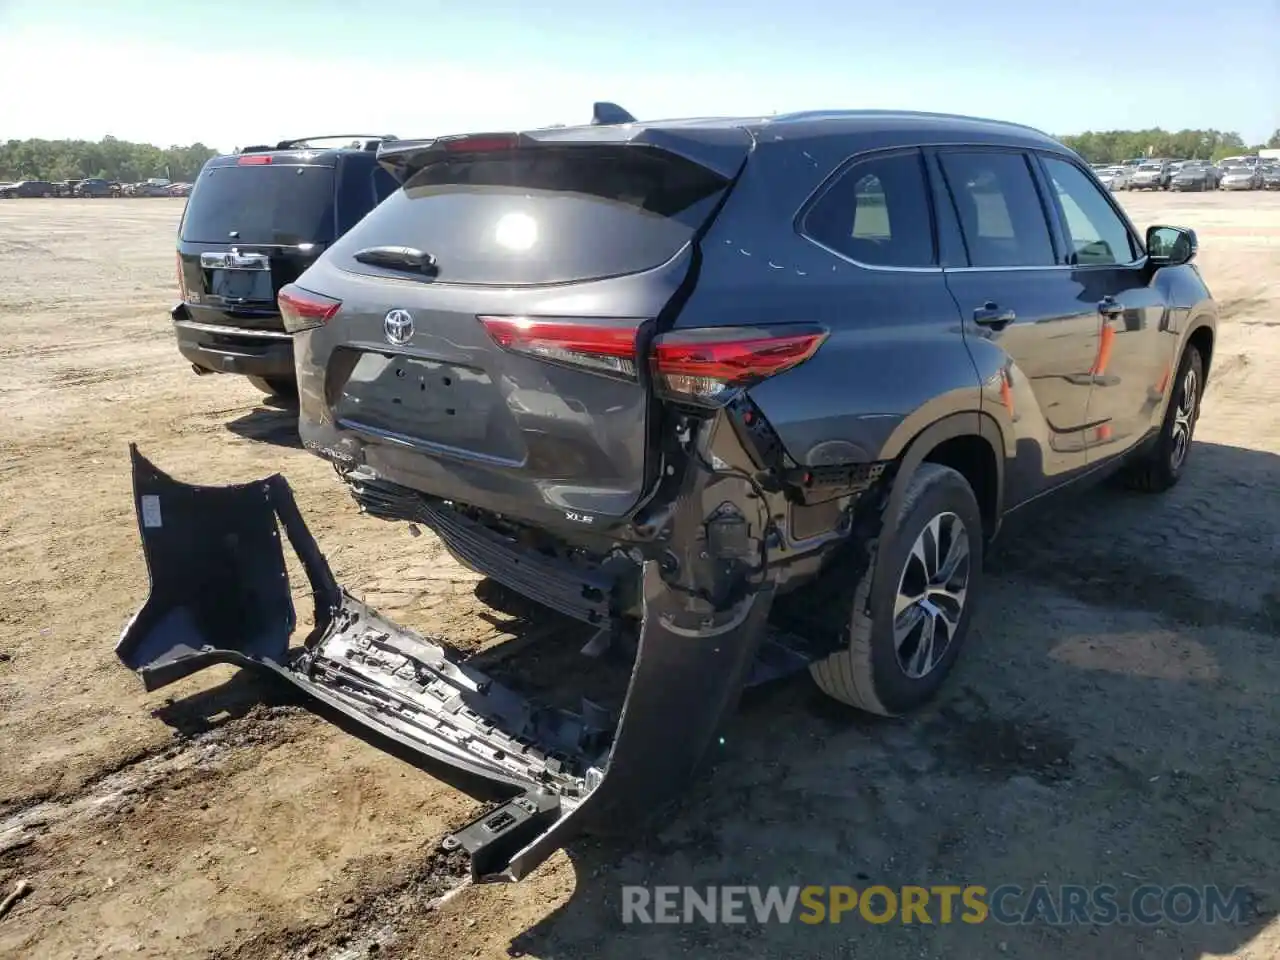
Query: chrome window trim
{"type": "Point", "coordinates": [1135, 265]}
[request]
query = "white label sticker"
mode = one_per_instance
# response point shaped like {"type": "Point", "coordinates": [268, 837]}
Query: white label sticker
{"type": "Point", "coordinates": [151, 511]}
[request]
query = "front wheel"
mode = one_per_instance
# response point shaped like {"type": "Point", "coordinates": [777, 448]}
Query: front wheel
{"type": "Point", "coordinates": [905, 629]}
{"type": "Point", "coordinates": [1162, 466]}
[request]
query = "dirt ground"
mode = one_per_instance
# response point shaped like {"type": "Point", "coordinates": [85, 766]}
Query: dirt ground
{"type": "Point", "coordinates": [1115, 719]}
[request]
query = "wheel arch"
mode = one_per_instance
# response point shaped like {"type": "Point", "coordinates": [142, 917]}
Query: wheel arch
{"type": "Point", "coordinates": [1201, 337]}
{"type": "Point", "coordinates": [970, 443]}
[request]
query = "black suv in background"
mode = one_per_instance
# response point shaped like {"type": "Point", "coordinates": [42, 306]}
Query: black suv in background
{"type": "Point", "coordinates": [254, 221]}
{"type": "Point", "coordinates": [94, 187]}
{"type": "Point", "coordinates": [28, 188]}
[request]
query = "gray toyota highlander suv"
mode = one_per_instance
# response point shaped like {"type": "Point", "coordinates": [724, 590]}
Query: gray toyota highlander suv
{"type": "Point", "coordinates": [750, 351]}
{"type": "Point", "coordinates": [657, 375]}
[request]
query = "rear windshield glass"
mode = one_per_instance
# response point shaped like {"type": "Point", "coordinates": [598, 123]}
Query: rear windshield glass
{"type": "Point", "coordinates": [543, 215]}
{"type": "Point", "coordinates": [263, 203]}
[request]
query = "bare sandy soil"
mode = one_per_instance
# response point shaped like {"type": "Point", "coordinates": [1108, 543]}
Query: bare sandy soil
{"type": "Point", "coordinates": [1115, 719]}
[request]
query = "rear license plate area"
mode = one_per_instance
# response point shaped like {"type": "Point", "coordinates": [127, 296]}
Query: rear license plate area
{"type": "Point", "coordinates": [441, 402]}
{"type": "Point", "coordinates": [241, 286]}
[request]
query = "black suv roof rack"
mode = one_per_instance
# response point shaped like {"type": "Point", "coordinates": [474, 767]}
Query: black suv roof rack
{"type": "Point", "coordinates": [368, 141]}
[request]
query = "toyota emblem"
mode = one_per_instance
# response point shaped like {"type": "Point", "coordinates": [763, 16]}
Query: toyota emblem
{"type": "Point", "coordinates": [397, 325]}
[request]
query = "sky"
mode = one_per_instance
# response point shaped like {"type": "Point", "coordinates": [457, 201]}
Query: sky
{"type": "Point", "coordinates": [233, 72]}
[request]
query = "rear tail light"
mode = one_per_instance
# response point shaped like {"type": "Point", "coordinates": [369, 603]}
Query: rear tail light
{"type": "Point", "coordinates": [302, 310]}
{"type": "Point", "coordinates": [602, 346]}
{"type": "Point", "coordinates": [711, 365]}
{"type": "Point", "coordinates": [182, 279]}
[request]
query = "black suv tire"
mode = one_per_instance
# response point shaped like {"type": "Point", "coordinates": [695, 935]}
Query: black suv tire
{"type": "Point", "coordinates": [870, 674]}
{"type": "Point", "coordinates": [1162, 466]}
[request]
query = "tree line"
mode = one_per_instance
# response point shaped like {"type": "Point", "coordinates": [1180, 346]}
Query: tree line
{"type": "Point", "coordinates": [108, 158]}
{"type": "Point", "coordinates": [128, 162]}
{"type": "Point", "coordinates": [1112, 146]}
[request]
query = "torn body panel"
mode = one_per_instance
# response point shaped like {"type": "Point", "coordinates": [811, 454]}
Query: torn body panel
{"type": "Point", "coordinates": [220, 594]}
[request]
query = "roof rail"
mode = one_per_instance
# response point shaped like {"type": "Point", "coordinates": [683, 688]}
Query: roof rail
{"type": "Point", "coordinates": [604, 113]}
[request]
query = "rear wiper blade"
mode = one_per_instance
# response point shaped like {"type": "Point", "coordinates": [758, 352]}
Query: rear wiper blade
{"type": "Point", "coordinates": [398, 258]}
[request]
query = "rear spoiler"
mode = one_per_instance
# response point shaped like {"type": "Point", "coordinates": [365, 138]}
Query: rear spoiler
{"type": "Point", "coordinates": [719, 147]}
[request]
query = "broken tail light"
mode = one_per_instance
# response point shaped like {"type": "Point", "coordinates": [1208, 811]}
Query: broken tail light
{"type": "Point", "coordinates": [302, 310]}
{"type": "Point", "coordinates": [711, 365]}
{"type": "Point", "coordinates": [601, 346]}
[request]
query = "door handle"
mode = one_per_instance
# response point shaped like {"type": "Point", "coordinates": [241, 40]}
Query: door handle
{"type": "Point", "coordinates": [991, 315]}
{"type": "Point", "coordinates": [1109, 308]}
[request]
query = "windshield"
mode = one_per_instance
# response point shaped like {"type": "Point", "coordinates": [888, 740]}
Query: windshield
{"type": "Point", "coordinates": [262, 203]}
{"type": "Point", "coordinates": [1150, 166]}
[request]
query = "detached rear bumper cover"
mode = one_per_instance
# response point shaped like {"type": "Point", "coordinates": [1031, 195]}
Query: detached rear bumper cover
{"type": "Point", "coordinates": [220, 594]}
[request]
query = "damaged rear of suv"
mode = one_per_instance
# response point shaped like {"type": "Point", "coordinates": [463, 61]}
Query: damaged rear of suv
{"type": "Point", "coordinates": [656, 376]}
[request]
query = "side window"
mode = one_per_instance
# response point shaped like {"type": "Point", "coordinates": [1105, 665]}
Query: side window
{"type": "Point", "coordinates": [877, 213]}
{"type": "Point", "coordinates": [1098, 235]}
{"type": "Point", "coordinates": [999, 209]}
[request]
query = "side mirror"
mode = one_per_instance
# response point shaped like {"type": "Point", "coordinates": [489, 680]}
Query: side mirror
{"type": "Point", "coordinates": [1171, 246]}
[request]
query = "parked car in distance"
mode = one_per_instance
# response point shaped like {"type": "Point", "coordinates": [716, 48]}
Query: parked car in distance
{"type": "Point", "coordinates": [29, 188]}
{"type": "Point", "coordinates": [1115, 178]}
{"type": "Point", "coordinates": [180, 190]}
{"type": "Point", "coordinates": [94, 187]}
{"type": "Point", "coordinates": [1271, 176]}
{"type": "Point", "coordinates": [1240, 177]}
{"type": "Point", "coordinates": [1150, 175]}
{"type": "Point", "coordinates": [462, 373]}
{"type": "Point", "coordinates": [1194, 175]}
{"type": "Point", "coordinates": [254, 221]}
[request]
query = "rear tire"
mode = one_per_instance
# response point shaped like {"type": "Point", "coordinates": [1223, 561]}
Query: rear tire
{"type": "Point", "coordinates": [932, 563]}
{"type": "Point", "coordinates": [1163, 465]}
{"type": "Point", "coordinates": [275, 386]}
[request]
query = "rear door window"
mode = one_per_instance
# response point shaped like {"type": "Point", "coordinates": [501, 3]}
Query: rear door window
{"type": "Point", "coordinates": [543, 215]}
{"type": "Point", "coordinates": [284, 204]}
{"type": "Point", "coordinates": [877, 213]}
{"type": "Point", "coordinates": [999, 207]}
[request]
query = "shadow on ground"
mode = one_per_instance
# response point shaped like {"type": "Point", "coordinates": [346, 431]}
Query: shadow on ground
{"type": "Point", "coordinates": [1113, 722]}
{"type": "Point", "coordinates": [275, 422]}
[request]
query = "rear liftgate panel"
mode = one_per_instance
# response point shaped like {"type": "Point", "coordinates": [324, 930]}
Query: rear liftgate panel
{"type": "Point", "coordinates": [220, 594]}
